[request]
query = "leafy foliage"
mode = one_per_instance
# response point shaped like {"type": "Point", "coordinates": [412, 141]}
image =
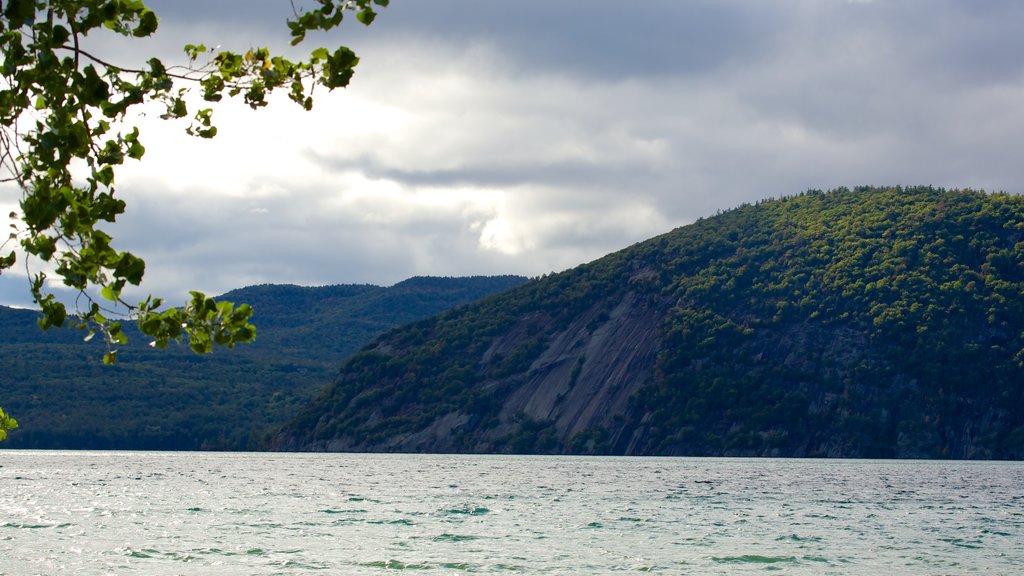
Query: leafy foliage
{"type": "Point", "coordinates": [66, 127]}
{"type": "Point", "coordinates": [6, 423]}
{"type": "Point", "coordinates": [869, 322]}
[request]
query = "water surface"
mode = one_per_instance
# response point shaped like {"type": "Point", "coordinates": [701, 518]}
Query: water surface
{"type": "Point", "coordinates": [216, 513]}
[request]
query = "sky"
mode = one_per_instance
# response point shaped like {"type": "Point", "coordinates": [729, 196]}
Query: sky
{"type": "Point", "coordinates": [528, 137]}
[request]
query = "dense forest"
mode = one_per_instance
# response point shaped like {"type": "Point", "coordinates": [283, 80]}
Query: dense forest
{"type": "Point", "coordinates": [55, 384]}
{"type": "Point", "coordinates": [874, 322]}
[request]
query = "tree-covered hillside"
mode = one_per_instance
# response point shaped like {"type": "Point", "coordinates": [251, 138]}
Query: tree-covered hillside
{"type": "Point", "coordinates": [64, 397]}
{"type": "Point", "coordinates": [869, 322]}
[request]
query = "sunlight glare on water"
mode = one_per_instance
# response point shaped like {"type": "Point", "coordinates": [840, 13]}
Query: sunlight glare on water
{"type": "Point", "coordinates": [216, 513]}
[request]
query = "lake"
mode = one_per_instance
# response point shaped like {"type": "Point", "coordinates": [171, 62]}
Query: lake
{"type": "Point", "coordinates": [230, 513]}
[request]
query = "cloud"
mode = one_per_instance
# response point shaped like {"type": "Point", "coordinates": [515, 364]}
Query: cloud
{"type": "Point", "coordinates": [529, 137]}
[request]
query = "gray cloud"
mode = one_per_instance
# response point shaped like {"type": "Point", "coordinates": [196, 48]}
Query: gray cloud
{"type": "Point", "coordinates": [525, 137]}
{"type": "Point", "coordinates": [601, 38]}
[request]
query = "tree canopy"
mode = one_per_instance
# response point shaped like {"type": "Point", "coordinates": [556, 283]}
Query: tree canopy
{"type": "Point", "coordinates": [66, 125]}
{"type": "Point", "coordinates": [176, 400]}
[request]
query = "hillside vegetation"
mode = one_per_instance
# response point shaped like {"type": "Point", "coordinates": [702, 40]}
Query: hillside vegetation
{"type": "Point", "coordinates": [858, 323]}
{"type": "Point", "coordinates": [63, 397]}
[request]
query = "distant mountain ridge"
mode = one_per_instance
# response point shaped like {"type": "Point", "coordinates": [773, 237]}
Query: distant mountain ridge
{"type": "Point", "coordinates": [172, 399]}
{"type": "Point", "coordinates": [875, 322]}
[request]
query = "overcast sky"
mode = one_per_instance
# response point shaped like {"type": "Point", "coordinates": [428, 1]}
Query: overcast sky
{"type": "Point", "coordinates": [485, 137]}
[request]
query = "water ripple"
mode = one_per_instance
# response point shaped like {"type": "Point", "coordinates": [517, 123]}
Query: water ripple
{"type": "Point", "coordinates": [263, 514]}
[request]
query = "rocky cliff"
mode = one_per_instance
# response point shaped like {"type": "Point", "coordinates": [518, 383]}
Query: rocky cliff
{"type": "Point", "coordinates": [853, 323]}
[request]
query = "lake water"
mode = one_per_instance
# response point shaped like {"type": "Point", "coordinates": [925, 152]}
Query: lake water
{"type": "Point", "coordinates": [216, 513]}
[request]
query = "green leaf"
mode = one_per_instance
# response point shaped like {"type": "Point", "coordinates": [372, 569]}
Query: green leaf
{"type": "Point", "coordinates": [136, 150]}
{"type": "Point", "coordinates": [200, 342]}
{"type": "Point", "coordinates": [109, 293]}
{"type": "Point", "coordinates": [148, 23]}
{"type": "Point", "coordinates": [105, 175]}
{"type": "Point", "coordinates": [338, 68]}
{"type": "Point", "coordinates": [54, 313]}
{"type": "Point", "coordinates": [366, 16]}
{"type": "Point", "coordinates": [130, 267]}
{"type": "Point", "coordinates": [117, 335]}
{"type": "Point", "coordinates": [42, 246]}
{"type": "Point", "coordinates": [224, 309]}
{"type": "Point", "coordinates": [92, 89]}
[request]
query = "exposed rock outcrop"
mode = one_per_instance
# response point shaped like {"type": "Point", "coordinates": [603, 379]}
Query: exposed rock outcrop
{"type": "Point", "coordinates": [865, 323]}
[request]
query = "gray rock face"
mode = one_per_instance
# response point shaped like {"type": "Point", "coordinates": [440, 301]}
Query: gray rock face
{"type": "Point", "coordinates": [586, 375]}
{"type": "Point", "coordinates": [582, 379]}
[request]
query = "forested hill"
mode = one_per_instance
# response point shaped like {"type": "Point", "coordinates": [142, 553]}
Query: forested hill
{"type": "Point", "coordinates": [63, 397]}
{"type": "Point", "coordinates": [852, 323]}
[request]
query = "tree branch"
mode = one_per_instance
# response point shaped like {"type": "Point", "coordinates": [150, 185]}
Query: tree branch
{"type": "Point", "coordinates": [119, 69]}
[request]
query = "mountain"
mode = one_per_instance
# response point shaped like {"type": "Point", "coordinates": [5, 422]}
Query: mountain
{"type": "Point", "coordinates": [63, 397]}
{"type": "Point", "coordinates": [875, 322]}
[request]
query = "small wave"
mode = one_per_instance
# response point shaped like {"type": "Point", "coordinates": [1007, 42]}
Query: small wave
{"type": "Point", "coordinates": [962, 543]}
{"type": "Point", "coordinates": [396, 565]}
{"type": "Point", "coordinates": [132, 553]}
{"type": "Point", "coordinates": [399, 522]}
{"type": "Point", "coordinates": [446, 537]}
{"type": "Point", "coordinates": [294, 565]}
{"type": "Point", "coordinates": [266, 525]}
{"type": "Point", "coordinates": [214, 552]}
{"type": "Point", "coordinates": [24, 526]}
{"type": "Point", "coordinates": [399, 565]}
{"type": "Point", "coordinates": [818, 516]}
{"type": "Point", "coordinates": [151, 553]}
{"type": "Point", "coordinates": [460, 566]}
{"type": "Point", "coordinates": [797, 538]}
{"type": "Point", "coordinates": [478, 511]}
{"type": "Point", "coordinates": [754, 559]}
{"type": "Point", "coordinates": [502, 567]}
